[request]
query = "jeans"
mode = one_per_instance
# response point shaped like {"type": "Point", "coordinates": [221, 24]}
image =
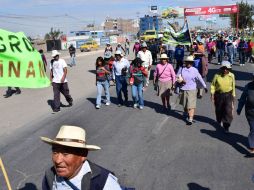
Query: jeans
{"type": "Point", "coordinates": [127, 51]}
{"type": "Point", "coordinates": [61, 88]}
{"type": "Point", "coordinates": [137, 94]}
{"type": "Point", "coordinates": [242, 57]}
{"type": "Point", "coordinates": [220, 55]}
{"type": "Point", "coordinates": [121, 86]}
{"type": "Point", "coordinates": [100, 85]}
{"type": "Point", "coordinates": [251, 134]}
{"type": "Point", "coordinates": [73, 61]}
{"type": "Point", "coordinates": [231, 58]}
{"type": "Point", "coordinates": [171, 55]}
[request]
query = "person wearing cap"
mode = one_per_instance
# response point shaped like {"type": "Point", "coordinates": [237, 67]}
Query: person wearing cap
{"type": "Point", "coordinates": [166, 76]}
{"type": "Point", "coordinates": [119, 47]}
{"type": "Point", "coordinates": [188, 77]}
{"type": "Point", "coordinates": [223, 94]}
{"type": "Point", "coordinates": [119, 72]}
{"type": "Point", "coordinates": [108, 48]}
{"type": "Point", "coordinates": [137, 74]}
{"type": "Point", "coordinates": [247, 100]}
{"type": "Point", "coordinates": [58, 73]}
{"type": "Point", "coordinates": [136, 48]}
{"type": "Point", "coordinates": [71, 169]}
{"type": "Point", "coordinates": [145, 55]}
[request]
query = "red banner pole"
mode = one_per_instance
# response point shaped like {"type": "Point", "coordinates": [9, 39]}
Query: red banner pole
{"type": "Point", "coordinates": [237, 22]}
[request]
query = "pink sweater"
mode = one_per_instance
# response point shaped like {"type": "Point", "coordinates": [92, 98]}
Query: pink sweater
{"type": "Point", "coordinates": [167, 75]}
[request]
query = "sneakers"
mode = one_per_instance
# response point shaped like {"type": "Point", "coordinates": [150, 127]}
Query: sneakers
{"type": "Point", "coordinates": [70, 104]}
{"type": "Point", "coordinates": [135, 106]}
{"type": "Point", "coordinates": [189, 121]}
{"type": "Point", "coordinates": [97, 106]}
{"type": "Point", "coordinates": [141, 107]}
{"type": "Point", "coordinates": [107, 103]}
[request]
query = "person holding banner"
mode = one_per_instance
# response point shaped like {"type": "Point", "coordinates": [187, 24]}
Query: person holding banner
{"type": "Point", "coordinates": [58, 73]}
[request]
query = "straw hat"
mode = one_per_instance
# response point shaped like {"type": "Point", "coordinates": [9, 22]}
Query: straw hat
{"type": "Point", "coordinates": [55, 53]}
{"type": "Point", "coordinates": [189, 59]}
{"type": "Point", "coordinates": [226, 64]}
{"type": "Point", "coordinates": [164, 56]}
{"type": "Point", "coordinates": [71, 136]}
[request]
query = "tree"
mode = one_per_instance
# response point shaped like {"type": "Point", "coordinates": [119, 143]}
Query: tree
{"type": "Point", "coordinates": [53, 34]}
{"type": "Point", "coordinates": [245, 14]}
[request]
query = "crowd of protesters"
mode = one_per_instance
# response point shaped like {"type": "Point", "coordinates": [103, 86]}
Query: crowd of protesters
{"type": "Point", "coordinates": [183, 76]}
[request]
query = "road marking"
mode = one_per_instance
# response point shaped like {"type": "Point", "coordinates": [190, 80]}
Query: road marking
{"type": "Point", "coordinates": [159, 126]}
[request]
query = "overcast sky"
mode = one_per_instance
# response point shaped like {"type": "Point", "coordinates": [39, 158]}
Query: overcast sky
{"type": "Point", "coordinates": [36, 17]}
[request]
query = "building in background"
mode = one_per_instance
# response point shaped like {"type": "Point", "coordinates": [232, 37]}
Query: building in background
{"type": "Point", "coordinates": [150, 23]}
{"type": "Point", "coordinates": [121, 26]}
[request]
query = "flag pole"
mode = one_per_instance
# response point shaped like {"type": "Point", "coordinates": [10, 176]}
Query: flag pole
{"type": "Point", "coordinates": [5, 174]}
{"type": "Point", "coordinates": [186, 20]}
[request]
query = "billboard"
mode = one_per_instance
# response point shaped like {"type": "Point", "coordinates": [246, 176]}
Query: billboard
{"type": "Point", "coordinates": [172, 12]}
{"type": "Point", "coordinates": [196, 11]}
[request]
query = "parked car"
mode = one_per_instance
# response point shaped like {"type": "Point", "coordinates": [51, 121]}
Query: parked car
{"type": "Point", "coordinates": [88, 46]}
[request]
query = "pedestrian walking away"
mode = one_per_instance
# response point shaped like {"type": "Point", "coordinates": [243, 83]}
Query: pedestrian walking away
{"type": "Point", "coordinates": [72, 51]}
{"type": "Point", "coordinates": [71, 168]}
{"type": "Point", "coordinates": [58, 73]}
{"type": "Point", "coordinates": [220, 46]}
{"type": "Point", "coordinates": [145, 55]}
{"type": "Point", "coordinates": [166, 77]}
{"type": "Point", "coordinates": [137, 78]}
{"type": "Point", "coordinates": [242, 47]}
{"type": "Point", "coordinates": [102, 81]}
{"type": "Point", "coordinates": [223, 94]}
{"type": "Point", "coordinates": [247, 100]}
{"type": "Point", "coordinates": [43, 59]}
{"type": "Point", "coordinates": [188, 76]}
{"type": "Point", "coordinates": [119, 71]}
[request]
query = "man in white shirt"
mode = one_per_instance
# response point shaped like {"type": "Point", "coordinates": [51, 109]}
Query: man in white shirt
{"type": "Point", "coordinates": [58, 72]}
{"type": "Point", "coordinates": [119, 71]}
{"type": "Point", "coordinates": [146, 56]}
{"type": "Point", "coordinates": [72, 170]}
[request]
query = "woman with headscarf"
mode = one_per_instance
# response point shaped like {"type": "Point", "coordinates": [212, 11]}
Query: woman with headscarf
{"type": "Point", "coordinates": [188, 77]}
{"type": "Point", "coordinates": [222, 95]}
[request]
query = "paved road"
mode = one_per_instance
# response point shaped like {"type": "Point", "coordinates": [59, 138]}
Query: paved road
{"type": "Point", "coordinates": [147, 149]}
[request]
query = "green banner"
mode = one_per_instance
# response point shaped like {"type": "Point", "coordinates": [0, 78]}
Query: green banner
{"type": "Point", "coordinates": [20, 64]}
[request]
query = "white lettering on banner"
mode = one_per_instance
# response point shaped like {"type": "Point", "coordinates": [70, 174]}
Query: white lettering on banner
{"type": "Point", "coordinates": [227, 9]}
{"type": "Point", "coordinates": [193, 10]}
{"type": "Point", "coordinates": [212, 10]}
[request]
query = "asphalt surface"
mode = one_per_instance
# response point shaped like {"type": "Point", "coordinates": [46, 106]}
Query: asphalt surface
{"type": "Point", "coordinates": [147, 149]}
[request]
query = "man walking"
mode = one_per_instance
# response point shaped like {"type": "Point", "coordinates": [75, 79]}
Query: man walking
{"type": "Point", "coordinates": [120, 69]}
{"type": "Point", "coordinates": [72, 51]}
{"type": "Point", "coordinates": [58, 73]}
{"type": "Point", "coordinates": [145, 55]}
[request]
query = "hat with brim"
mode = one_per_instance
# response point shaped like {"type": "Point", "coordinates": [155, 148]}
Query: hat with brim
{"type": "Point", "coordinates": [144, 45]}
{"type": "Point", "coordinates": [189, 59]}
{"type": "Point", "coordinates": [55, 53]}
{"type": "Point", "coordinates": [119, 53]}
{"type": "Point", "coordinates": [71, 136]}
{"type": "Point", "coordinates": [164, 56]}
{"type": "Point", "coordinates": [226, 64]}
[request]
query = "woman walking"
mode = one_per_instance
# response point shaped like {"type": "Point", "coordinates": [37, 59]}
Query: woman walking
{"type": "Point", "coordinates": [166, 77]}
{"type": "Point", "coordinates": [102, 71]}
{"type": "Point", "coordinates": [188, 77]}
{"type": "Point", "coordinates": [137, 78]}
{"type": "Point", "coordinates": [222, 95]}
{"type": "Point", "coordinates": [247, 100]}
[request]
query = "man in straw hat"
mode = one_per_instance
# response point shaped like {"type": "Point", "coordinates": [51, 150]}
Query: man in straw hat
{"type": "Point", "coordinates": [71, 168]}
{"type": "Point", "coordinates": [58, 73]}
